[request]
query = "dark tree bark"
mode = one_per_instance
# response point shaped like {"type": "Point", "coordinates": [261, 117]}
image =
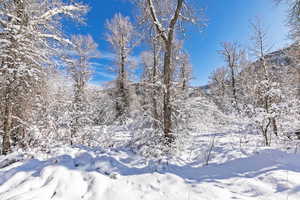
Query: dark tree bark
{"type": "Point", "coordinates": [154, 88]}
{"type": "Point", "coordinates": [8, 110]}
{"type": "Point", "coordinates": [167, 36]}
{"type": "Point", "coordinates": [6, 146]}
{"type": "Point", "coordinates": [233, 85]}
{"type": "Point", "coordinates": [122, 102]}
{"type": "Point", "coordinates": [232, 55]}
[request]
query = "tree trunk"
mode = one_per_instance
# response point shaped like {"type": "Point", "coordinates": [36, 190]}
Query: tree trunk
{"type": "Point", "coordinates": [167, 93]}
{"type": "Point", "coordinates": [233, 87]}
{"type": "Point", "coordinates": [184, 85]}
{"type": "Point", "coordinates": [122, 100]}
{"type": "Point", "coordinates": [265, 133]}
{"type": "Point", "coordinates": [77, 102]}
{"type": "Point", "coordinates": [6, 146]}
{"type": "Point", "coordinates": [274, 124]}
{"type": "Point", "coordinates": [184, 81]}
{"type": "Point", "coordinates": [168, 40]}
{"type": "Point", "coordinates": [154, 88]}
{"type": "Point", "coordinates": [298, 89]}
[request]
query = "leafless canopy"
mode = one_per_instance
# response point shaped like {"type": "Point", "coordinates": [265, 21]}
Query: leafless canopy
{"type": "Point", "coordinates": [164, 12]}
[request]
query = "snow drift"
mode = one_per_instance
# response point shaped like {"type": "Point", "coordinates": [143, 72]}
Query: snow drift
{"type": "Point", "coordinates": [89, 174]}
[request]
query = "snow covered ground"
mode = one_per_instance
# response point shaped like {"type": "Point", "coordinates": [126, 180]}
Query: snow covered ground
{"type": "Point", "coordinates": [238, 169]}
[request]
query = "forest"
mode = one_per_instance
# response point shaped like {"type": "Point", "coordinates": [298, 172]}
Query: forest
{"type": "Point", "coordinates": [63, 137]}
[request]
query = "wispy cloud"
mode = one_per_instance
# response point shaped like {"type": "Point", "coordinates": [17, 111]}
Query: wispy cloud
{"type": "Point", "coordinates": [104, 75]}
{"type": "Point", "coordinates": [135, 59]}
{"type": "Point", "coordinates": [97, 64]}
{"type": "Point", "coordinates": [111, 57]}
{"type": "Point", "coordinates": [103, 63]}
{"type": "Point", "coordinates": [107, 56]}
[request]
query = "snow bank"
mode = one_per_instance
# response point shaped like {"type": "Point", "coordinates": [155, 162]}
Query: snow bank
{"type": "Point", "coordinates": [90, 174]}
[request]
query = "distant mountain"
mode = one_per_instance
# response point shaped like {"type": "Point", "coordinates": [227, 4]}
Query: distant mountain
{"type": "Point", "coordinates": [286, 57]}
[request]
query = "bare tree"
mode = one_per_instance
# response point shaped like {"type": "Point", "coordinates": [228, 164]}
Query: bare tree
{"type": "Point", "coordinates": [233, 56]}
{"type": "Point", "coordinates": [294, 23]}
{"type": "Point", "coordinates": [29, 34]}
{"type": "Point", "coordinates": [185, 72]}
{"type": "Point", "coordinates": [218, 80]}
{"type": "Point", "coordinates": [166, 17]}
{"type": "Point", "coordinates": [293, 17]}
{"type": "Point", "coordinates": [152, 62]}
{"type": "Point", "coordinates": [181, 66]}
{"type": "Point", "coordinates": [79, 65]}
{"type": "Point", "coordinates": [123, 38]}
{"type": "Point", "coordinates": [260, 49]}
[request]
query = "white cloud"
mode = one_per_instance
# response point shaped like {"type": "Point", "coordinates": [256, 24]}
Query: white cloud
{"type": "Point", "coordinates": [105, 74]}
{"type": "Point", "coordinates": [107, 56]}
{"type": "Point", "coordinates": [110, 56]}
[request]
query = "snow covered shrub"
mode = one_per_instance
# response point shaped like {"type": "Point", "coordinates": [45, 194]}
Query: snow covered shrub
{"type": "Point", "coordinates": [289, 118]}
{"type": "Point", "coordinates": [146, 132]}
{"type": "Point", "coordinates": [102, 107]}
{"type": "Point", "coordinates": [146, 137]}
{"type": "Point", "coordinates": [262, 119]}
{"type": "Point", "coordinates": [30, 37]}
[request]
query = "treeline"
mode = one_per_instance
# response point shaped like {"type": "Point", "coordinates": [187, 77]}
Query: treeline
{"type": "Point", "coordinates": [260, 84]}
{"type": "Point", "coordinates": [42, 103]}
{"type": "Point", "coordinates": [36, 100]}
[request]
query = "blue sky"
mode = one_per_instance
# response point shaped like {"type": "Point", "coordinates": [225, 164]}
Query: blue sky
{"type": "Point", "coordinates": [228, 20]}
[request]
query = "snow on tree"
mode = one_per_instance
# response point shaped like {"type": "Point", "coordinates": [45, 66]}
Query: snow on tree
{"type": "Point", "coordinates": [219, 84]}
{"type": "Point", "coordinates": [167, 17]}
{"type": "Point", "coordinates": [185, 71]}
{"type": "Point", "coordinates": [294, 24]}
{"type": "Point", "coordinates": [29, 35]}
{"type": "Point", "coordinates": [151, 79]}
{"type": "Point", "coordinates": [267, 90]}
{"type": "Point", "coordinates": [79, 67]}
{"type": "Point", "coordinates": [123, 38]}
{"type": "Point", "coordinates": [233, 56]}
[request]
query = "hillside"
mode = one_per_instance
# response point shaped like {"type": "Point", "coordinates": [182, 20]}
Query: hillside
{"type": "Point", "coordinates": [284, 59]}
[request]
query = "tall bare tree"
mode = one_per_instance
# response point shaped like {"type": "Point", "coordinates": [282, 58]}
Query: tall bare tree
{"type": "Point", "coordinates": [185, 70]}
{"type": "Point", "coordinates": [218, 80]}
{"type": "Point", "coordinates": [233, 56]}
{"type": "Point", "coordinates": [152, 61]}
{"type": "Point", "coordinates": [83, 49]}
{"type": "Point", "coordinates": [167, 17]}
{"type": "Point", "coordinates": [293, 17]}
{"type": "Point", "coordinates": [294, 23]}
{"type": "Point", "coordinates": [123, 38]}
{"type": "Point", "coordinates": [29, 34]}
{"type": "Point", "coordinates": [266, 98]}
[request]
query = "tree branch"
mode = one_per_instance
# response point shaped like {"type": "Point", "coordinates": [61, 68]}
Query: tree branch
{"type": "Point", "coordinates": [157, 24]}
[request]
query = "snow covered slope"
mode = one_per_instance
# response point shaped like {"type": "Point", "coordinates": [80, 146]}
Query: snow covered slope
{"type": "Point", "coordinates": [221, 162]}
{"type": "Point", "coordinates": [93, 174]}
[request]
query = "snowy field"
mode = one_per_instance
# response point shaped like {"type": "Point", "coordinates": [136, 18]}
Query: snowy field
{"type": "Point", "coordinates": [117, 113]}
{"type": "Point", "coordinates": [237, 169]}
